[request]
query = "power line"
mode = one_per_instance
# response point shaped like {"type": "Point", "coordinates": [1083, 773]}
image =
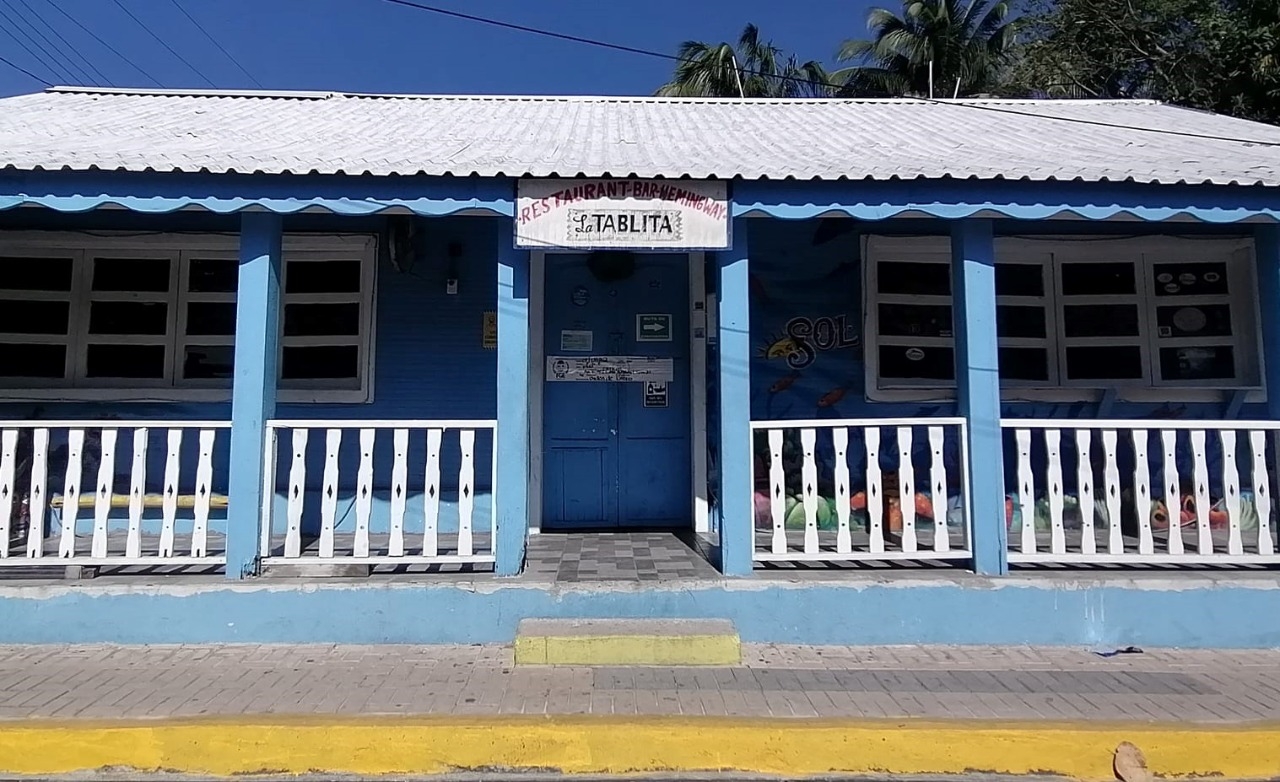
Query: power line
{"type": "Point", "coordinates": [812, 82]}
{"type": "Point", "coordinates": [164, 43]}
{"type": "Point", "coordinates": [70, 47]}
{"type": "Point", "coordinates": [33, 49]}
{"type": "Point", "coordinates": [53, 50]}
{"type": "Point", "coordinates": [20, 69]}
{"type": "Point", "coordinates": [214, 41]}
{"type": "Point", "coordinates": [96, 37]}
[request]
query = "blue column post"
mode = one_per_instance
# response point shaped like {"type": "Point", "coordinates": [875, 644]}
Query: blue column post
{"type": "Point", "coordinates": [1266, 240]}
{"type": "Point", "coordinates": [253, 395]}
{"type": "Point", "coordinates": [973, 272]}
{"type": "Point", "coordinates": [511, 484]}
{"type": "Point", "coordinates": [737, 525]}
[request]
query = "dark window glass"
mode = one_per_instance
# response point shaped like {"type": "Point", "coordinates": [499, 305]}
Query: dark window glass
{"type": "Point", "coordinates": [321, 320]}
{"type": "Point", "coordinates": [34, 317]}
{"type": "Point", "coordinates": [33, 361]}
{"type": "Point", "coordinates": [1190, 279]}
{"type": "Point", "coordinates": [338, 362]}
{"type": "Point", "coordinates": [921, 279]}
{"type": "Point", "coordinates": [909, 363]}
{"type": "Point", "coordinates": [211, 275]}
{"type": "Point", "coordinates": [208, 362]}
{"type": "Point", "coordinates": [128, 317]}
{"type": "Point", "coordinates": [323, 277]}
{"type": "Point", "coordinates": [915, 320]}
{"type": "Point", "coordinates": [1019, 279]}
{"type": "Point", "coordinates": [211, 318]}
{"type": "Point", "coordinates": [1211, 320]}
{"type": "Point", "coordinates": [36, 274]}
{"type": "Point", "coordinates": [131, 274]}
{"type": "Point", "coordinates": [1209, 362]}
{"type": "Point", "coordinates": [1017, 321]}
{"type": "Point", "coordinates": [1100, 320]}
{"type": "Point", "coordinates": [1098, 279]}
{"type": "Point", "coordinates": [1104, 362]}
{"type": "Point", "coordinates": [1024, 363]}
{"type": "Point", "coordinates": [126, 361]}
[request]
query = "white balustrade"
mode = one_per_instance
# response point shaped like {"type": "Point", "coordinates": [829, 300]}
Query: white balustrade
{"type": "Point", "coordinates": [855, 489]}
{"type": "Point", "coordinates": [388, 492]}
{"type": "Point", "coordinates": [167, 517]}
{"type": "Point", "coordinates": [1184, 492]}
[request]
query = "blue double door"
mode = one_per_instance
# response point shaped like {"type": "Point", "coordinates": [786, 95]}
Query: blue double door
{"type": "Point", "coordinates": [617, 454]}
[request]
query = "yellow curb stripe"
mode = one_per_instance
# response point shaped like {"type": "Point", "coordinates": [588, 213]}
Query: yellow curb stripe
{"type": "Point", "coordinates": [611, 745]}
{"type": "Point", "coordinates": [718, 649]}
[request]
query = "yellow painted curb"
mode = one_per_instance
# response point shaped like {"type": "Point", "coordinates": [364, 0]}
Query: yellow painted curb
{"type": "Point", "coordinates": [718, 649]}
{"type": "Point", "coordinates": [616, 745]}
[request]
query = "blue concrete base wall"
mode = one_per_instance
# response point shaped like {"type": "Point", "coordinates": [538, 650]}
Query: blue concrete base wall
{"type": "Point", "coordinates": [1184, 612]}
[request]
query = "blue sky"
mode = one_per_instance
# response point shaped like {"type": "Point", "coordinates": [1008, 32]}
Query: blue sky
{"type": "Point", "coordinates": [374, 46]}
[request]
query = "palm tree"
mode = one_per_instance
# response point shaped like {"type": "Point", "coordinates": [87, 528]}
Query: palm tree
{"type": "Point", "coordinates": [960, 48]}
{"type": "Point", "coordinates": [752, 69]}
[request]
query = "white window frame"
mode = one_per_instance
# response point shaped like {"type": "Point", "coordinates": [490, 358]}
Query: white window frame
{"type": "Point", "coordinates": [1052, 251]}
{"type": "Point", "coordinates": [82, 247]}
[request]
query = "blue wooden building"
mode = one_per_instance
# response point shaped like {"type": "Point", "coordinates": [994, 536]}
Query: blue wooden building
{"type": "Point", "coordinates": [242, 330]}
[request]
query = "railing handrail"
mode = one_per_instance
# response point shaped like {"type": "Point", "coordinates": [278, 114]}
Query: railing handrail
{"type": "Point", "coordinates": [1132, 423]}
{"type": "Point", "coordinates": [367, 423]}
{"type": "Point", "coordinates": [95, 423]}
{"type": "Point", "coordinates": [820, 423]}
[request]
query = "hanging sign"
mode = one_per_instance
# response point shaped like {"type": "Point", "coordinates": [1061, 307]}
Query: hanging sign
{"type": "Point", "coordinates": [609, 369]}
{"type": "Point", "coordinates": [622, 213]}
{"type": "Point", "coordinates": [655, 394]}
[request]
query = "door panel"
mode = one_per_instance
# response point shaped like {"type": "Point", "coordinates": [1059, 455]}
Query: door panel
{"type": "Point", "coordinates": [610, 460]}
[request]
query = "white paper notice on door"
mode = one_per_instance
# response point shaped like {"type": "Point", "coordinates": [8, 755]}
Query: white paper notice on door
{"type": "Point", "coordinates": [609, 369]}
{"type": "Point", "coordinates": [576, 341]}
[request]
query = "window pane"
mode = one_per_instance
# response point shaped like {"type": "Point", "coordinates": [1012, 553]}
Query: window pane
{"type": "Point", "coordinates": [1105, 362]}
{"type": "Point", "coordinates": [36, 274]}
{"type": "Point", "coordinates": [1016, 321]}
{"type": "Point", "coordinates": [1214, 362]}
{"type": "Point", "coordinates": [903, 363]}
{"type": "Point", "coordinates": [211, 318]}
{"type": "Point", "coordinates": [1019, 279]}
{"type": "Point", "coordinates": [1024, 363]}
{"type": "Point", "coordinates": [212, 275]}
{"type": "Point", "coordinates": [915, 320]}
{"type": "Point", "coordinates": [131, 274]}
{"type": "Point", "coordinates": [1098, 279]}
{"type": "Point", "coordinates": [321, 320]}
{"type": "Point", "coordinates": [322, 277]}
{"type": "Point", "coordinates": [136, 361]}
{"type": "Point", "coordinates": [923, 279]}
{"type": "Point", "coordinates": [34, 317]}
{"type": "Point", "coordinates": [1190, 279]}
{"type": "Point", "coordinates": [128, 317]}
{"type": "Point", "coordinates": [1213, 320]}
{"type": "Point", "coordinates": [1100, 320]}
{"type": "Point", "coordinates": [327, 362]}
{"type": "Point", "coordinates": [208, 362]}
{"type": "Point", "coordinates": [33, 361]}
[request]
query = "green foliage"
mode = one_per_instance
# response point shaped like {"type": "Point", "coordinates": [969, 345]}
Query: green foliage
{"type": "Point", "coordinates": [752, 69]}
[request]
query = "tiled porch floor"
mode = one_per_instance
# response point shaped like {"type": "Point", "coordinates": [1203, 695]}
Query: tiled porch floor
{"type": "Point", "coordinates": [618, 556]}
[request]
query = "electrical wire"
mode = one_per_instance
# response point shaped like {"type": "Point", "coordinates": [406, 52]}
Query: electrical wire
{"type": "Point", "coordinates": [102, 77]}
{"type": "Point", "coordinates": [20, 69]}
{"type": "Point", "coordinates": [54, 52]}
{"type": "Point", "coordinates": [214, 41]}
{"type": "Point", "coordinates": [163, 42]}
{"type": "Point", "coordinates": [96, 37]}
{"type": "Point", "coordinates": [33, 49]}
{"type": "Point", "coordinates": [811, 82]}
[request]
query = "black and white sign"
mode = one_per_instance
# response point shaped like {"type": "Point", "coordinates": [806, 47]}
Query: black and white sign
{"type": "Point", "coordinates": [609, 369]}
{"type": "Point", "coordinates": [655, 394]}
{"type": "Point", "coordinates": [622, 213]}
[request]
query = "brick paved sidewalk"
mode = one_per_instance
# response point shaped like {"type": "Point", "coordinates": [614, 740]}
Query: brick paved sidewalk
{"type": "Point", "coordinates": [779, 681]}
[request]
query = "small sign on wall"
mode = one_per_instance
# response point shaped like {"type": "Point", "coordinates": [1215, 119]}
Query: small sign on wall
{"type": "Point", "coordinates": [655, 393]}
{"type": "Point", "coordinates": [574, 341]}
{"type": "Point", "coordinates": [609, 369]}
{"type": "Point", "coordinates": [489, 331]}
{"type": "Point", "coordinates": [653, 328]}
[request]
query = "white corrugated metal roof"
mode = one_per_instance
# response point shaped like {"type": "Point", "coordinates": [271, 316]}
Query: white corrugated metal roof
{"type": "Point", "coordinates": [333, 133]}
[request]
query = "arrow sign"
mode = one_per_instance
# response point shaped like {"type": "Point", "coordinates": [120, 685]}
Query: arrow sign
{"type": "Point", "coordinates": [653, 327]}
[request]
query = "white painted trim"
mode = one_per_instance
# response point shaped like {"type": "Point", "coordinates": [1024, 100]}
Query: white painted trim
{"type": "Point", "coordinates": [537, 350]}
{"type": "Point", "coordinates": [698, 388]}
